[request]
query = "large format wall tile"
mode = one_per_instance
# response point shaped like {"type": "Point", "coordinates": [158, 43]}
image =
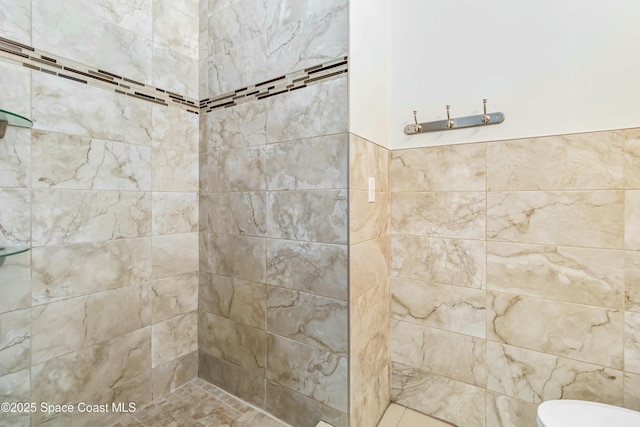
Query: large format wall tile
{"type": "Point", "coordinates": [174, 213]}
{"type": "Point", "coordinates": [563, 329]}
{"type": "Point", "coordinates": [247, 385]}
{"type": "Point", "coordinates": [506, 411]}
{"type": "Point", "coordinates": [174, 170]}
{"type": "Point", "coordinates": [368, 265]}
{"type": "Point", "coordinates": [240, 257]}
{"type": "Point", "coordinates": [173, 374]}
{"type": "Point", "coordinates": [15, 388]}
{"type": "Point", "coordinates": [535, 377]}
{"type": "Point", "coordinates": [368, 220]}
{"type": "Point", "coordinates": [368, 315]}
{"type": "Point", "coordinates": [576, 218]}
{"type": "Point", "coordinates": [309, 319]}
{"type": "Point", "coordinates": [241, 169]}
{"type": "Point", "coordinates": [174, 338]}
{"type": "Point", "coordinates": [313, 215]}
{"type": "Point", "coordinates": [15, 276]}
{"type": "Point", "coordinates": [236, 24]}
{"type": "Point", "coordinates": [441, 214]}
{"type": "Point", "coordinates": [367, 159]}
{"type": "Point", "coordinates": [173, 254]}
{"type": "Point", "coordinates": [632, 342]}
{"type": "Point", "coordinates": [632, 391]}
{"type": "Point", "coordinates": [175, 129]}
{"type": "Point", "coordinates": [566, 162]}
{"type": "Point", "coordinates": [239, 67]}
{"type": "Point", "coordinates": [95, 267]}
{"type": "Point", "coordinates": [174, 296]}
{"type": "Point", "coordinates": [579, 275]}
{"type": "Point", "coordinates": [15, 158]}
{"type": "Point", "coordinates": [632, 281]}
{"type": "Point", "coordinates": [65, 216]}
{"type": "Point", "coordinates": [238, 300]}
{"type": "Point", "coordinates": [632, 220]}
{"type": "Point", "coordinates": [310, 371]}
{"type": "Point", "coordinates": [83, 163]}
{"type": "Point", "coordinates": [175, 72]}
{"type": "Point", "coordinates": [15, 341]}
{"type": "Point", "coordinates": [444, 261]}
{"type": "Point", "coordinates": [632, 159]}
{"type": "Point", "coordinates": [174, 29]}
{"type": "Point", "coordinates": [15, 21]}
{"type": "Point", "coordinates": [15, 205]}
{"type": "Point", "coordinates": [317, 163]}
{"type": "Point", "coordinates": [242, 213]}
{"type": "Point", "coordinates": [449, 168]}
{"type": "Point", "coordinates": [451, 308]}
{"type": "Point", "coordinates": [317, 268]}
{"type": "Point", "coordinates": [15, 87]}
{"type": "Point", "coordinates": [239, 126]}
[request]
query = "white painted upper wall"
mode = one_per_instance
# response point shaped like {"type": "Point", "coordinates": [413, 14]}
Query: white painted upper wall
{"type": "Point", "coordinates": [369, 69]}
{"type": "Point", "coordinates": [552, 66]}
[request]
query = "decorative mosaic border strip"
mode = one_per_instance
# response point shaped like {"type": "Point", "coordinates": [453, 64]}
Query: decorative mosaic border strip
{"type": "Point", "coordinates": [287, 83]}
{"type": "Point", "coordinates": [34, 59]}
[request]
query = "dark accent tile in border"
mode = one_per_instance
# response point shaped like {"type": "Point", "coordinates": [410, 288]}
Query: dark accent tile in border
{"type": "Point", "coordinates": [31, 66]}
{"type": "Point", "coordinates": [109, 74]}
{"type": "Point", "coordinates": [14, 52]}
{"type": "Point", "coordinates": [326, 76]}
{"type": "Point", "coordinates": [46, 58]}
{"type": "Point", "coordinates": [14, 43]}
{"type": "Point", "coordinates": [133, 81]}
{"type": "Point", "coordinates": [72, 78]}
{"type": "Point", "coordinates": [50, 64]}
{"type": "Point", "coordinates": [328, 67]}
{"type": "Point", "coordinates": [90, 76]}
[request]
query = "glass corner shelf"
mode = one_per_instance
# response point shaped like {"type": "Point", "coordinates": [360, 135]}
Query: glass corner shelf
{"type": "Point", "coordinates": [11, 250]}
{"type": "Point", "coordinates": [8, 118]}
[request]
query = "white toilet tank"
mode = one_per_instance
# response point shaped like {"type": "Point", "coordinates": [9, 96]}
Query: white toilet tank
{"type": "Point", "coordinates": [580, 413]}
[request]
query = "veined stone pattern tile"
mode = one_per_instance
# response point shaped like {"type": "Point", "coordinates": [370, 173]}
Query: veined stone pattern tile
{"type": "Point", "coordinates": [449, 168]}
{"type": "Point", "coordinates": [439, 214]}
{"type": "Point", "coordinates": [174, 213]}
{"type": "Point", "coordinates": [173, 374]}
{"type": "Point", "coordinates": [241, 257]}
{"type": "Point", "coordinates": [368, 220]}
{"type": "Point", "coordinates": [368, 265]}
{"type": "Point", "coordinates": [96, 267]}
{"type": "Point", "coordinates": [452, 355]}
{"type": "Point", "coordinates": [15, 388]}
{"type": "Point", "coordinates": [242, 169]}
{"type": "Point", "coordinates": [174, 338]}
{"type": "Point", "coordinates": [444, 261]}
{"type": "Point", "coordinates": [84, 163]}
{"type": "Point", "coordinates": [15, 341]}
{"type": "Point", "coordinates": [309, 319]}
{"type": "Point", "coordinates": [247, 385]}
{"type": "Point", "coordinates": [236, 24]}
{"type": "Point", "coordinates": [174, 296]}
{"type": "Point", "coordinates": [174, 29]}
{"type": "Point", "coordinates": [16, 20]}
{"type": "Point", "coordinates": [236, 68]}
{"type": "Point", "coordinates": [65, 326]}
{"type": "Point", "coordinates": [238, 126]}
{"type": "Point", "coordinates": [173, 254]}
{"type": "Point", "coordinates": [315, 373]}
{"type": "Point", "coordinates": [316, 163]}
{"type": "Point", "coordinates": [175, 72]}
{"type": "Point", "coordinates": [242, 213]}
{"type": "Point", "coordinates": [368, 315]}
{"type": "Point", "coordinates": [317, 268]}
{"type": "Point", "coordinates": [506, 411]}
{"type": "Point", "coordinates": [566, 162]}
{"type": "Point", "coordinates": [311, 215]}
{"type": "Point", "coordinates": [15, 87]}
{"type": "Point", "coordinates": [535, 377]}
{"type": "Point", "coordinates": [15, 205]}
{"type": "Point", "coordinates": [576, 218]}
{"type": "Point", "coordinates": [174, 129]}
{"type": "Point", "coordinates": [632, 220]}
{"type": "Point", "coordinates": [367, 159]}
{"type": "Point", "coordinates": [174, 170]}
{"type": "Point", "coordinates": [444, 398]}
{"type": "Point", "coordinates": [450, 308]}
{"type": "Point", "coordinates": [578, 275]}
{"type": "Point", "coordinates": [65, 216]}
{"type": "Point", "coordinates": [238, 300]}
{"type": "Point", "coordinates": [632, 281]}
{"type": "Point", "coordinates": [15, 277]}
{"type": "Point", "coordinates": [632, 391]}
{"type": "Point", "coordinates": [15, 158]}
{"type": "Point", "coordinates": [632, 159]}
{"type": "Point", "coordinates": [563, 329]}
{"type": "Point", "coordinates": [632, 342]}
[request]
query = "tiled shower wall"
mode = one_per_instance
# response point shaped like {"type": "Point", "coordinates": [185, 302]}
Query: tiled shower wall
{"type": "Point", "coordinates": [515, 276]}
{"type": "Point", "coordinates": [105, 187]}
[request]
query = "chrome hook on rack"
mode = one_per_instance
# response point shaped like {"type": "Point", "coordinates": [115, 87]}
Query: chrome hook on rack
{"type": "Point", "coordinates": [417, 127]}
{"type": "Point", "coordinates": [450, 122]}
{"type": "Point", "coordinates": [485, 117]}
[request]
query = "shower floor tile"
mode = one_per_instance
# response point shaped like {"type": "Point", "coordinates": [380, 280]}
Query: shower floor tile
{"type": "Point", "coordinates": [399, 416]}
{"type": "Point", "coordinates": [198, 403]}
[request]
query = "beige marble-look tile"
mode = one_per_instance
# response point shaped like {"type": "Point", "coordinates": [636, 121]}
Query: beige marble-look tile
{"type": "Point", "coordinates": [579, 275]}
{"type": "Point", "coordinates": [174, 128]}
{"type": "Point", "coordinates": [65, 326]}
{"type": "Point", "coordinates": [435, 260]}
{"type": "Point", "coordinates": [96, 267]}
{"type": "Point", "coordinates": [413, 418]}
{"type": "Point", "coordinates": [238, 67]}
{"type": "Point", "coordinates": [66, 216]}
{"type": "Point", "coordinates": [575, 218]}
{"type": "Point", "coordinates": [315, 373]}
{"type": "Point", "coordinates": [320, 109]}
{"type": "Point", "coordinates": [632, 281]}
{"type": "Point", "coordinates": [368, 265]}
{"type": "Point", "coordinates": [535, 377]}
{"type": "Point", "coordinates": [16, 83]}
{"type": "Point", "coordinates": [242, 169]}
{"type": "Point", "coordinates": [238, 300]}
{"type": "Point", "coordinates": [308, 164]}
{"type": "Point", "coordinates": [632, 391]}
{"type": "Point", "coordinates": [173, 296]}
{"type": "Point", "coordinates": [175, 29]}
{"type": "Point", "coordinates": [247, 385]}
{"type": "Point", "coordinates": [309, 319]}
{"type": "Point", "coordinates": [242, 345]}
{"type": "Point", "coordinates": [632, 342]}
{"type": "Point", "coordinates": [239, 126]}
{"type": "Point", "coordinates": [565, 162]}
{"type": "Point", "coordinates": [241, 257]}
{"type": "Point", "coordinates": [367, 159]}
{"type": "Point", "coordinates": [174, 338]}
{"type": "Point", "coordinates": [299, 410]}
{"type": "Point", "coordinates": [368, 220]}
{"type": "Point", "coordinates": [317, 268]}
{"type": "Point", "coordinates": [563, 329]}
{"type": "Point", "coordinates": [238, 23]}
{"type": "Point", "coordinates": [238, 213]}
{"type": "Point", "coordinates": [446, 168]}
{"type": "Point", "coordinates": [15, 341]}
{"type": "Point", "coordinates": [89, 372]}
{"type": "Point", "coordinates": [174, 170]}
{"type": "Point", "coordinates": [15, 276]}
{"type": "Point", "coordinates": [75, 162]}
{"type": "Point", "coordinates": [632, 219]}
{"type": "Point", "coordinates": [15, 388]}
{"type": "Point", "coordinates": [311, 215]}
{"type": "Point", "coordinates": [175, 72]}
{"type": "Point", "coordinates": [86, 109]}
{"type": "Point", "coordinates": [453, 401]}
{"type": "Point", "coordinates": [368, 314]}
{"type": "Point", "coordinates": [506, 411]}
{"type": "Point", "coordinates": [450, 308]}
{"type": "Point", "coordinates": [174, 254]}
{"type": "Point", "coordinates": [441, 214]}
{"type": "Point", "coordinates": [16, 21]}
{"type": "Point", "coordinates": [392, 415]}
{"type": "Point", "coordinates": [455, 356]}
{"type": "Point", "coordinates": [173, 374]}
{"type": "Point", "coordinates": [174, 213]}
{"type": "Point", "coordinates": [15, 158]}
{"type": "Point", "coordinates": [15, 205]}
{"type": "Point", "coordinates": [632, 158]}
